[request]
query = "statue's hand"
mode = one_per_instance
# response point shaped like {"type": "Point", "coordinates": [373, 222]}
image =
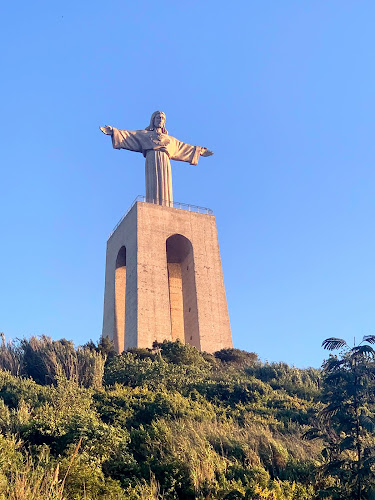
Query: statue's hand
{"type": "Point", "coordinates": [107, 130]}
{"type": "Point", "coordinates": [206, 152]}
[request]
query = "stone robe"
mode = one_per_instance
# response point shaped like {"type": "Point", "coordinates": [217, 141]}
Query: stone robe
{"type": "Point", "coordinates": [158, 148]}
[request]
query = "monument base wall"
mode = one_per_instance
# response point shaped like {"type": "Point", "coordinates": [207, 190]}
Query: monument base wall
{"type": "Point", "coordinates": [174, 284]}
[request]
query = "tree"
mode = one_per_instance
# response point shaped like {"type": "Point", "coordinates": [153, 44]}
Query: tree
{"type": "Point", "coordinates": [346, 423]}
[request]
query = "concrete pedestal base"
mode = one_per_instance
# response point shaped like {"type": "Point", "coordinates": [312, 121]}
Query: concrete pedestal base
{"type": "Point", "coordinates": [164, 280]}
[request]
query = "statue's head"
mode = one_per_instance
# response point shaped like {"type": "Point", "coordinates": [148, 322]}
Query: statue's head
{"type": "Point", "coordinates": [157, 121]}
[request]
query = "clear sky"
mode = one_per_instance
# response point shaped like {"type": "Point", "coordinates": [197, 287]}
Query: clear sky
{"type": "Point", "coordinates": [282, 91]}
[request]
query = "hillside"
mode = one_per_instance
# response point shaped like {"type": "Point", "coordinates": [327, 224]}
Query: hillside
{"type": "Point", "coordinates": [163, 423]}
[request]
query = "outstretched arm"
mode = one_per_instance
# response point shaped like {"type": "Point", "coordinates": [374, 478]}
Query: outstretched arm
{"type": "Point", "coordinates": [189, 153]}
{"type": "Point", "coordinates": [123, 139]}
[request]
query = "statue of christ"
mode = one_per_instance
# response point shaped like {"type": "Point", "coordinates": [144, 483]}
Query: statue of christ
{"type": "Point", "coordinates": [158, 148]}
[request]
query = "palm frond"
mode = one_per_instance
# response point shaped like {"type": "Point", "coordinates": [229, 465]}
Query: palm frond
{"type": "Point", "coordinates": [333, 343]}
{"type": "Point", "coordinates": [334, 371]}
{"type": "Point", "coordinates": [369, 338]}
{"type": "Point", "coordinates": [332, 408]}
{"type": "Point", "coordinates": [313, 433]}
{"type": "Point", "coordinates": [367, 423]}
{"type": "Point", "coordinates": [363, 349]}
{"type": "Point", "coordinates": [332, 364]}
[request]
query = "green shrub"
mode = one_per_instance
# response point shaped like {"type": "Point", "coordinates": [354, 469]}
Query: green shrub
{"type": "Point", "coordinates": [169, 422]}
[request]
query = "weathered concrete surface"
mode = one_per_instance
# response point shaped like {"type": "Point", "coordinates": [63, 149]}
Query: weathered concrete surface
{"type": "Point", "coordinates": [144, 233]}
{"type": "Point", "coordinates": [176, 298]}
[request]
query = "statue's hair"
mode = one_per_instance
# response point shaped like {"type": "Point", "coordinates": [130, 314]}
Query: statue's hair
{"type": "Point", "coordinates": [152, 126]}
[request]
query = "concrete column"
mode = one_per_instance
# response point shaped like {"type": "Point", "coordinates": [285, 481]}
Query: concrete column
{"type": "Point", "coordinates": [144, 232]}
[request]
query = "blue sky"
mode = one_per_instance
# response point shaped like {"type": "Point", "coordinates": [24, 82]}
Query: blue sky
{"type": "Point", "coordinates": [282, 91]}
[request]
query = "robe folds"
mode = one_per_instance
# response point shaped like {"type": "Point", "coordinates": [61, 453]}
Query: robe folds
{"type": "Point", "coordinates": [158, 149]}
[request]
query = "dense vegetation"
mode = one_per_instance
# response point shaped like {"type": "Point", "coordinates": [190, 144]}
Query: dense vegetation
{"type": "Point", "coordinates": [168, 422]}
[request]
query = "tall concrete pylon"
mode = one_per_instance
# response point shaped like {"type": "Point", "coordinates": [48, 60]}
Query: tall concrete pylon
{"type": "Point", "coordinates": [164, 280]}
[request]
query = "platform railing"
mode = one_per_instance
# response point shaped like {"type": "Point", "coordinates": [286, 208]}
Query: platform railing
{"type": "Point", "coordinates": [174, 204]}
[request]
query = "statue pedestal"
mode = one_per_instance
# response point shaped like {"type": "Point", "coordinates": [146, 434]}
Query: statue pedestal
{"type": "Point", "coordinates": [164, 280]}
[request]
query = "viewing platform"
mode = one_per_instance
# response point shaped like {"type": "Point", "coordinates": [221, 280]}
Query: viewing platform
{"type": "Point", "coordinates": [175, 204]}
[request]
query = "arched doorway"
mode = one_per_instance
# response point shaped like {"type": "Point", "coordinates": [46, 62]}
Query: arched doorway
{"type": "Point", "coordinates": [120, 295]}
{"type": "Point", "coordinates": [182, 290]}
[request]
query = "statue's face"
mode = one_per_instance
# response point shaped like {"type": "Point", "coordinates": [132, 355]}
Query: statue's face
{"type": "Point", "coordinates": [159, 120]}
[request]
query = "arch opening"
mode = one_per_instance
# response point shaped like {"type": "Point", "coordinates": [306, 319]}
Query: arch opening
{"type": "Point", "coordinates": [182, 290]}
{"type": "Point", "coordinates": [120, 298]}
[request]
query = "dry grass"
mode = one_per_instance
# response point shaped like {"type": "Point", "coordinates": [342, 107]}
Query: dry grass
{"type": "Point", "coordinates": [209, 448]}
{"type": "Point", "coordinates": [32, 482]}
{"type": "Point", "coordinates": [35, 480]}
{"type": "Point", "coordinates": [147, 491]}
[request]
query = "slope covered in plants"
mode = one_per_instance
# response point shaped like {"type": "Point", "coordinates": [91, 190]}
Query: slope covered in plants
{"type": "Point", "coordinates": [169, 422]}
